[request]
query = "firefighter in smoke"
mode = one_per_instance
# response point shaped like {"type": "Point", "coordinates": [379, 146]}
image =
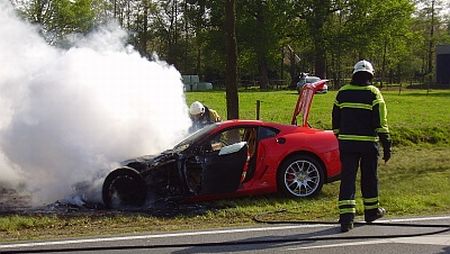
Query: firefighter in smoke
{"type": "Point", "coordinates": [359, 121]}
{"type": "Point", "coordinates": [201, 116]}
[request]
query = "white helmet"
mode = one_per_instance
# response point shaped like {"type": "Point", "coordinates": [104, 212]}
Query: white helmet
{"type": "Point", "coordinates": [363, 65]}
{"type": "Point", "coordinates": [196, 108]}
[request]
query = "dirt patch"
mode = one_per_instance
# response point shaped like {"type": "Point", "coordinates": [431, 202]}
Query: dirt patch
{"type": "Point", "coordinates": [15, 202]}
{"type": "Point", "coordinates": [11, 200]}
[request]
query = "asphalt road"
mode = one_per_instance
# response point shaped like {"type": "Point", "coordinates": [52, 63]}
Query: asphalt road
{"type": "Point", "coordinates": [287, 238]}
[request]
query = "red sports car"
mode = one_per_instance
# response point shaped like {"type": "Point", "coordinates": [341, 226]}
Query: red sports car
{"type": "Point", "coordinates": [233, 158]}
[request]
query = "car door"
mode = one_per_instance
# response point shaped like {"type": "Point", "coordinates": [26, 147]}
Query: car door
{"type": "Point", "coordinates": [224, 161]}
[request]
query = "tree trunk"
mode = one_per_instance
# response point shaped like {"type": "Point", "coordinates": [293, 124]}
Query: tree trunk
{"type": "Point", "coordinates": [316, 25]}
{"type": "Point", "coordinates": [231, 65]}
{"type": "Point", "coordinates": [293, 68]}
{"type": "Point", "coordinates": [263, 72]}
{"type": "Point", "coordinates": [261, 51]}
{"type": "Point", "coordinates": [383, 67]}
{"type": "Point", "coordinates": [173, 34]}
{"type": "Point", "coordinates": [143, 46]}
{"type": "Point", "coordinates": [430, 47]}
{"type": "Point", "coordinates": [319, 59]}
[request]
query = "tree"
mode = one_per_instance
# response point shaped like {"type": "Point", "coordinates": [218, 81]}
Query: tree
{"type": "Point", "coordinates": [430, 25]}
{"type": "Point", "coordinates": [231, 75]}
{"type": "Point", "coordinates": [261, 28]}
{"type": "Point", "coordinates": [59, 18]}
{"type": "Point", "coordinates": [316, 14]}
{"type": "Point", "coordinates": [322, 36]}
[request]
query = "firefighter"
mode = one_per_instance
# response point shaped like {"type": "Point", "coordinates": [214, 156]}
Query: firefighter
{"type": "Point", "coordinates": [359, 121]}
{"type": "Point", "coordinates": [201, 115]}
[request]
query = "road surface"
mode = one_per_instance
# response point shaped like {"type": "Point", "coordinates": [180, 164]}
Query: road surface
{"type": "Point", "coordinates": [284, 238]}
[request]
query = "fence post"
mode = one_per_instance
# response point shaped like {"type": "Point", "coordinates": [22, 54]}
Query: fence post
{"type": "Point", "coordinates": [258, 107]}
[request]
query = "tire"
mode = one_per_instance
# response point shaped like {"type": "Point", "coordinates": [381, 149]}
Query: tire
{"type": "Point", "coordinates": [124, 188]}
{"type": "Point", "coordinates": [300, 176]}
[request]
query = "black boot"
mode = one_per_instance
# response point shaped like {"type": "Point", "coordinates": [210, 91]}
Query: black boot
{"type": "Point", "coordinates": [346, 221]}
{"type": "Point", "coordinates": [374, 214]}
{"type": "Point", "coordinates": [345, 227]}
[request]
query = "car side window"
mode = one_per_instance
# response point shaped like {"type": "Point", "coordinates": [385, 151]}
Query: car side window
{"type": "Point", "coordinates": [231, 136]}
{"type": "Point", "coordinates": [265, 132]}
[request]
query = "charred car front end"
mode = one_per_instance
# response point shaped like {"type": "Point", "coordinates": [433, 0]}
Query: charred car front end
{"type": "Point", "coordinates": [189, 169]}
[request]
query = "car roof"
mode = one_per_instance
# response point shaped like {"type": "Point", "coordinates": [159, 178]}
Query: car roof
{"type": "Point", "coordinates": [250, 123]}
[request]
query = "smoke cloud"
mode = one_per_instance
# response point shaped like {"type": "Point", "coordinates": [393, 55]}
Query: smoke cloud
{"type": "Point", "coordinates": [67, 115]}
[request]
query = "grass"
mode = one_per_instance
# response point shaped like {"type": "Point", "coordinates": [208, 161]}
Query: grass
{"type": "Point", "coordinates": [414, 116]}
{"type": "Point", "coordinates": [415, 182]}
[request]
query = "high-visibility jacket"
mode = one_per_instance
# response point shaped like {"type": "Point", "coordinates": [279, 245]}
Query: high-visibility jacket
{"type": "Point", "coordinates": [212, 115]}
{"type": "Point", "coordinates": [359, 114]}
{"type": "Point", "coordinates": [209, 117]}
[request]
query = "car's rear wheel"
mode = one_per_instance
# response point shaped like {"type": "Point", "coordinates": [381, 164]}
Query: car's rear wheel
{"type": "Point", "coordinates": [300, 176]}
{"type": "Point", "coordinates": [124, 188]}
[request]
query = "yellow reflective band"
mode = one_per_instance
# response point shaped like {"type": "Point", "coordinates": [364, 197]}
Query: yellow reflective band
{"type": "Point", "coordinates": [353, 87]}
{"type": "Point", "coordinates": [382, 112]}
{"type": "Point", "coordinates": [335, 131]}
{"type": "Point", "coordinates": [368, 207]}
{"type": "Point", "coordinates": [377, 101]}
{"type": "Point", "coordinates": [347, 210]}
{"type": "Point", "coordinates": [354, 105]}
{"type": "Point", "coordinates": [347, 202]}
{"type": "Point", "coordinates": [382, 130]}
{"type": "Point", "coordinates": [371, 200]}
{"type": "Point", "coordinates": [357, 138]}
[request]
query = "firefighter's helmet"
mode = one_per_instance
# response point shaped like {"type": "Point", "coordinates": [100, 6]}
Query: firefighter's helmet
{"type": "Point", "coordinates": [363, 65]}
{"type": "Point", "coordinates": [196, 108]}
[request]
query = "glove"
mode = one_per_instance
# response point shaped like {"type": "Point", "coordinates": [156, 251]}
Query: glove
{"type": "Point", "coordinates": [386, 142]}
{"type": "Point", "coordinates": [386, 154]}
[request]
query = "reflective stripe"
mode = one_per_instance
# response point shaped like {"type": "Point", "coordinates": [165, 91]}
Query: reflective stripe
{"type": "Point", "coordinates": [353, 87]}
{"type": "Point", "coordinates": [347, 202]}
{"type": "Point", "coordinates": [357, 138]}
{"type": "Point", "coordinates": [382, 130]}
{"type": "Point", "coordinates": [368, 207]}
{"type": "Point", "coordinates": [370, 200]}
{"type": "Point", "coordinates": [336, 131]}
{"type": "Point", "coordinates": [347, 210]}
{"type": "Point", "coordinates": [354, 105]}
{"type": "Point", "coordinates": [377, 101]}
{"type": "Point", "coordinates": [382, 113]}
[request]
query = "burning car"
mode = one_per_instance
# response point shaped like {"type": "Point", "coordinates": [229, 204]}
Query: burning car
{"type": "Point", "coordinates": [233, 158]}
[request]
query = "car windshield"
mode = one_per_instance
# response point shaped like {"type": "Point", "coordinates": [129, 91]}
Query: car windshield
{"type": "Point", "coordinates": [189, 140]}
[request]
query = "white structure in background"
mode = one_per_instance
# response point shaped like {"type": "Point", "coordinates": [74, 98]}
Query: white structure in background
{"type": "Point", "coordinates": [192, 83]}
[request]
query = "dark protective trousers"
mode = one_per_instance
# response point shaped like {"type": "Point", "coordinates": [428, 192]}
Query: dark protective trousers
{"type": "Point", "coordinates": [355, 154]}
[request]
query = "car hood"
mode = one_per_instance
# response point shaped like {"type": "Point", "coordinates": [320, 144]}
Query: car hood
{"type": "Point", "coordinates": [304, 101]}
{"type": "Point", "coordinates": [151, 161]}
{"type": "Point", "coordinates": [147, 159]}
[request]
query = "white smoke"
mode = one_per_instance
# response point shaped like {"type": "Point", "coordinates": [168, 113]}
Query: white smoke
{"type": "Point", "coordinates": [66, 115]}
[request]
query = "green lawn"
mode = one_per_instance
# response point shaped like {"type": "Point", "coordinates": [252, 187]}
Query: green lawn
{"type": "Point", "coordinates": [416, 181]}
{"type": "Point", "coordinates": [414, 116]}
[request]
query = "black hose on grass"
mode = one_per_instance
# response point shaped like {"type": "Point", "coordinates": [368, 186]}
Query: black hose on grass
{"type": "Point", "coordinates": [257, 219]}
